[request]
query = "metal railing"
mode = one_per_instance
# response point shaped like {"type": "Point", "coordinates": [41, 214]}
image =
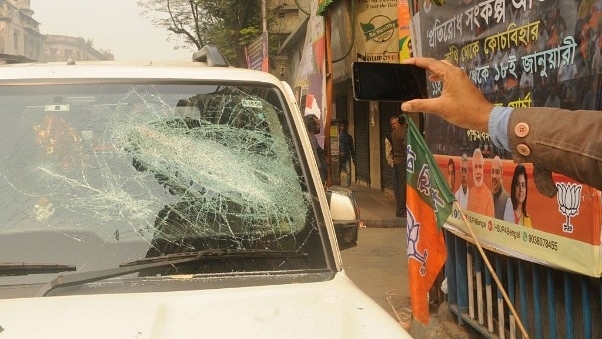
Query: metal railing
{"type": "Point", "coordinates": [551, 303]}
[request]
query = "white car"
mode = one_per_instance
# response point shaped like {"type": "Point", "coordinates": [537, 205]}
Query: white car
{"type": "Point", "coordinates": [166, 200]}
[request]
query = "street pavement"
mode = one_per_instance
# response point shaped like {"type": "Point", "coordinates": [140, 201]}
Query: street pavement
{"type": "Point", "coordinates": [378, 266]}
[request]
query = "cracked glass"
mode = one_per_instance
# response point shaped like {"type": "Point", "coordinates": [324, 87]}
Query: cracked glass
{"type": "Point", "coordinates": [94, 175]}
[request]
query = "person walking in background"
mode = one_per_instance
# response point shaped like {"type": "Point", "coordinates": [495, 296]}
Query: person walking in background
{"type": "Point", "coordinates": [480, 199]}
{"type": "Point", "coordinates": [312, 124]}
{"type": "Point", "coordinates": [346, 152]}
{"type": "Point", "coordinates": [462, 192]}
{"type": "Point", "coordinates": [501, 199]}
{"type": "Point", "coordinates": [399, 132]}
{"type": "Point", "coordinates": [518, 194]}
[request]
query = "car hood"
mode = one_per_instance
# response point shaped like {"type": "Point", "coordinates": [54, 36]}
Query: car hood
{"type": "Point", "coordinates": [332, 309]}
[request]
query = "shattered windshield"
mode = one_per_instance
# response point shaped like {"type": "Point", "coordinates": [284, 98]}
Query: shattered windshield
{"type": "Point", "coordinates": [94, 175]}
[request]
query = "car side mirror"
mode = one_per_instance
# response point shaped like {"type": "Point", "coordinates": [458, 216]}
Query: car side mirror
{"type": "Point", "coordinates": [345, 215]}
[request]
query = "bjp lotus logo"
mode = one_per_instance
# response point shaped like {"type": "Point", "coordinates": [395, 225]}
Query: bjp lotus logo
{"type": "Point", "coordinates": [413, 230]}
{"type": "Point", "coordinates": [569, 201]}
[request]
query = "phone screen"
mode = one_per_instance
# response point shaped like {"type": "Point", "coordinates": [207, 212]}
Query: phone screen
{"type": "Point", "coordinates": [387, 81]}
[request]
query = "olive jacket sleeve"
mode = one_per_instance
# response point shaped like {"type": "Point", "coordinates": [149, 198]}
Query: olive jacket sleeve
{"type": "Point", "coordinates": [558, 140]}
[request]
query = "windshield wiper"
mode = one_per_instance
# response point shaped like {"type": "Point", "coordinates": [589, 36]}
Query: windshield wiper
{"type": "Point", "coordinates": [160, 261]}
{"type": "Point", "coordinates": [22, 268]}
{"type": "Point", "coordinates": [217, 253]}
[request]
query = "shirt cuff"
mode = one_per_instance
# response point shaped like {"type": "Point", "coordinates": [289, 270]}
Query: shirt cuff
{"type": "Point", "coordinates": [498, 126]}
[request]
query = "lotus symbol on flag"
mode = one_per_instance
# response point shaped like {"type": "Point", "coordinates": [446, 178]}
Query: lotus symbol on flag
{"type": "Point", "coordinates": [413, 229]}
{"type": "Point", "coordinates": [569, 200]}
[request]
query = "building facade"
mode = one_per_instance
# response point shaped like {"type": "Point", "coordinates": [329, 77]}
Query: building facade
{"type": "Point", "coordinates": [63, 48]}
{"type": "Point", "coordinates": [21, 40]}
{"type": "Point", "coordinates": [20, 37]}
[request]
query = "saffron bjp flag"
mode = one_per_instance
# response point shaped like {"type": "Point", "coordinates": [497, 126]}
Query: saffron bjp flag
{"type": "Point", "coordinates": [429, 203]}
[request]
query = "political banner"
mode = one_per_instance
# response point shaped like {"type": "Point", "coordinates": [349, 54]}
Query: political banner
{"type": "Point", "coordinates": [520, 54]}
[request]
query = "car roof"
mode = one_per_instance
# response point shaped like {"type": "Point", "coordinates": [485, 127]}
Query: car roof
{"type": "Point", "coordinates": [186, 70]}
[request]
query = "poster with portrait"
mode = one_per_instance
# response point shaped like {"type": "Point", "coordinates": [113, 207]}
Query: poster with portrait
{"type": "Point", "coordinates": [520, 53]}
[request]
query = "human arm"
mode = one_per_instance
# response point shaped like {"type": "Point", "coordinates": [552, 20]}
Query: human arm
{"type": "Point", "coordinates": [558, 140]}
{"type": "Point", "coordinates": [452, 105]}
{"type": "Point", "coordinates": [388, 152]}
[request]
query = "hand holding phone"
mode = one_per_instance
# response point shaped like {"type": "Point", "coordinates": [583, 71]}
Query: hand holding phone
{"type": "Point", "coordinates": [377, 81]}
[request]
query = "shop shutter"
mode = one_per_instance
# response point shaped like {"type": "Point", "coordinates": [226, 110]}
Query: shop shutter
{"type": "Point", "coordinates": [362, 142]}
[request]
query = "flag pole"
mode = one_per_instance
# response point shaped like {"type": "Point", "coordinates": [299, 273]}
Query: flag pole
{"type": "Point", "coordinates": [493, 274]}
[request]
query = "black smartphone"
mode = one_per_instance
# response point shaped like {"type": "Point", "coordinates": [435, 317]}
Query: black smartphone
{"type": "Point", "coordinates": [388, 82]}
